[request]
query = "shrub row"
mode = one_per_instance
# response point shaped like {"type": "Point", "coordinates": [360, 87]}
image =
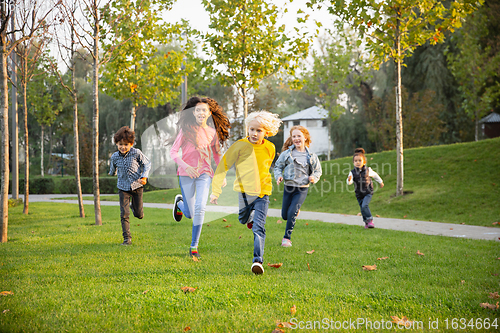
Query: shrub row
{"type": "Point", "coordinates": [58, 185]}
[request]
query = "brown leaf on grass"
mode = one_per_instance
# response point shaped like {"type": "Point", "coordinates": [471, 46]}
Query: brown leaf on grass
{"type": "Point", "coordinates": [208, 225]}
{"type": "Point", "coordinates": [239, 237]}
{"type": "Point", "coordinates": [293, 310]}
{"type": "Point", "coordinates": [401, 321]}
{"type": "Point", "coordinates": [227, 226]}
{"type": "Point", "coordinates": [5, 311]}
{"type": "Point", "coordinates": [145, 291]}
{"type": "Point", "coordinates": [489, 306]}
{"type": "Point", "coordinates": [369, 268]}
{"type": "Point", "coordinates": [224, 220]}
{"type": "Point", "coordinates": [420, 253]}
{"type": "Point", "coordinates": [278, 330]}
{"type": "Point", "coordinates": [188, 289]}
{"type": "Point", "coordinates": [6, 293]}
{"type": "Point", "coordinates": [383, 258]}
{"type": "Point", "coordinates": [308, 267]}
{"type": "Point", "coordinates": [274, 199]}
{"type": "Point", "coordinates": [494, 295]}
{"type": "Point", "coordinates": [405, 216]}
{"type": "Point", "coordinates": [462, 223]}
{"type": "Point", "coordinates": [307, 223]}
{"type": "Point", "coordinates": [281, 324]}
{"type": "Point", "coordinates": [462, 281]}
{"type": "Point", "coordinates": [495, 223]}
{"type": "Point", "coordinates": [278, 265]}
{"type": "Point", "coordinates": [194, 258]}
{"type": "Point", "coordinates": [279, 221]}
{"type": "Point", "coordinates": [187, 328]}
{"type": "Point", "coordinates": [377, 215]}
{"type": "Point", "coordinates": [310, 252]}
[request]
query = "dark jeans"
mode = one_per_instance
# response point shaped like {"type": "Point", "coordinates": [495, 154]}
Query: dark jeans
{"type": "Point", "coordinates": [293, 198]}
{"type": "Point", "coordinates": [126, 197]}
{"type": "Point", "coordinates": [364, 203]}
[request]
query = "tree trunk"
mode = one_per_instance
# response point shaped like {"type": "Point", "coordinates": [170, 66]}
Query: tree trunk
{"type": "Point", "coordinates": [76, 152]}
{"type": "Point", "coordinates": [41, 146]}
{"type": "Point", "coordinates": [4, 130]}
{"type": "Point", "coordinates": [95, 138]}
{"type": "Point", "coordinates": [245, 110]}
{"type": "Point", "coordinates": [26, 145]}
{"type": "Point", "coordinates": [132, 116]}
{"type": "Point", "coordinates": [15, 126]}
{"type": "Point", "coordinates": [476, 121]}
{"type": "Point", "coordinates": [399, 117]}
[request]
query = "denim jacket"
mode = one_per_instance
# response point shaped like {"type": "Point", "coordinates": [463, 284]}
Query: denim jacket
{"type": "Point", "coordinates": [284, 166]}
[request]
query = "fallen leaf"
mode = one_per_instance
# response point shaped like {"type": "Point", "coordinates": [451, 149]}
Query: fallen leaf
{"type": "Point", "coordinates": [279, 221]}
{"type": "Point", "coordinates": [377, 215]}
{"type": "Point", "coordinates": [451, 228]}
{"type": "Point", "coordinates": [462, 223]}
{"type": "Point", "coordinates": [293, 310]}
{"type": "Point", "coordinates": [307, 223]}
{"type": "Point", "coordinates": [495, 223]}
{"type": "Point", "coordinates": [489, 306]}
{"type": "Point", "coordinates": [239, 237]}
{"type": "Point", "coordinates": [405, 216]}
{"type": "Point", "coordinates": [401, 321]}
{"type": "Point", "coordinates": [5, 311]}
{"type": "Point", "coordinates": [420, 253]}
{"type": "Point", "coordinates": [278, 265]}
{"type": "Point", "coordinates": [494, 295]}
{"type": "Point", "coordinates": [274, 199]}
{"type": "Point", "coordinates": [208, 225]}
{"type": "Point", "coordinates": [370, 268]}
{"type": "Point", "coordinates": [310, 252]}
{"type": "Point", "coordinates": [145, 291]}
{"type": "Point", "coordinates": [6, 293]}
{"type": "Point", "coordinates": [188, 289]}
{"type": "Point", "coordinates": [227, 226]}
{"type": "Point", "coordinates": [224, 220]}
{"type": "Point", "coordinates": [194, 258]}
{"type": "Point", "coordinates": [278, 330]}
{"type": "Point", "coordinates": [308, 267]}
{"type": "Point", "coordinates": [283, 324]}
{"type": "Point", "coordinates": [462, 282]}
{"type": "Point", "coordinates": [383, 258]}
{"type": "Point", "coordinates": [187, 328]}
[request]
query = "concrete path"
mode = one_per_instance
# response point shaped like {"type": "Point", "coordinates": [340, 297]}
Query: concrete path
{"type": "Point", "coordinates": [423, 227]}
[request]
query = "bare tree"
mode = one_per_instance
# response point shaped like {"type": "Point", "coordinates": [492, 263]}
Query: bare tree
{"type": "Point", "coordinates": [30, 25]}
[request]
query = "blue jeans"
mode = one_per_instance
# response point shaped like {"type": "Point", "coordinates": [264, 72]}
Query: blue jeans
{"type": "Point", "coordinates": [260, 207]}
{"type": "Point", "coordinates": [194, 201]}
{"type": "Point", "coordinates": [293, 198]}
{"type": "Point", "coordinates": [364, 203]}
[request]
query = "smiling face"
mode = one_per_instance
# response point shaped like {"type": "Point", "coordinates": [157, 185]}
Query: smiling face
{"type": "Point", "coordinates": [359, 161]}
{"type": "Point", "coordinates": [201, 113]}
{"type": "Point", "coordinates": [256, 132]}
{"type": "Point", "coordinates": [298, 139]}
{"type": "Point", "coordinates": [123, 146]}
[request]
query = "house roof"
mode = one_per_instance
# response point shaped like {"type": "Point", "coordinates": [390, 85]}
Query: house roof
{"type": "Point", "coordinates": [491, 118]}
{"type": "Point", "coordinates": [314, 112]}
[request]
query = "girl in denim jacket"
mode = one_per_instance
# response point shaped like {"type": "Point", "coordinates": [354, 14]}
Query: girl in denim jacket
{"type": "Point", "coordinates": [298, 167]}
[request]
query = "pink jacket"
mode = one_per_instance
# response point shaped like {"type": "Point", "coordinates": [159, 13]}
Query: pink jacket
{"type": "Point", "coordinates": [199, 158]}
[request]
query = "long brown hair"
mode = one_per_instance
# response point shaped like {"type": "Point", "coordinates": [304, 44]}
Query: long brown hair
{"type": "Point", "coordinates": [359, 152]}
{"type": "Point", "coordinates": [289, 141]}
{"type": "Point", "coordinates": [187, 121]}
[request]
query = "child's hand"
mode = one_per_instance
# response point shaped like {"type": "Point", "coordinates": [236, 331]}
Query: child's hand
{"type": "Point", "coordinates": [144, 180]}
{"type": "Point", "coordinates": [192, 173]}
{"type": "Point", "coordinates": [213, 199]}
{"type": "Point", "coordinates": [224, 182]}
{"type": "Point", "coordinates": [381, 184]}
{"type": "Point", "coordinates": [311, 179]}
{"type": "Point", "coordinates": [279, 180]}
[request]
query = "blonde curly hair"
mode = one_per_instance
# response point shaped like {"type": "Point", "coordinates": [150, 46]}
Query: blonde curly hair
{"type": "Point", "coordinates": [269, 121]}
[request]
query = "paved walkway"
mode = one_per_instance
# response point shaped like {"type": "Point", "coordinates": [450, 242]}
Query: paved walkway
{"type": "Point", "coordinates": [423, 227]}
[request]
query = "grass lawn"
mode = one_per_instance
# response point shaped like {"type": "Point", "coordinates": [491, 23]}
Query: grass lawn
{"type": "Point", "coordinates": [457, 183]}
{"type": "Point", "coordinates": [67, 274]}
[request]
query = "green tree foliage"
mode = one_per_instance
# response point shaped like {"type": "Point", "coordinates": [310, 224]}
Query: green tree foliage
{"type": "Point", "coordinates": [247, 44]}
{"type": "Point", "coordinates": [476, 63]}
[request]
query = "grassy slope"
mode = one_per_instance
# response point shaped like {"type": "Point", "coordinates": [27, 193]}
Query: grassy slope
{"type": "Point", "coordinates": [70, 275]}
{"type": "Point", "coordinates": [457, 183]}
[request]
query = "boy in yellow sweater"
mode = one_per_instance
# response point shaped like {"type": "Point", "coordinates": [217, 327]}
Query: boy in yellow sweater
{"type": "Point", "coordinates": [252, 157]}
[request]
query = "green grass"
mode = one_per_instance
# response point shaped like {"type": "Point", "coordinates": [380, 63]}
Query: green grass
{"type": "Point", "coordinates": [69, 275]}
{"type": "Point", "coordinates": [457, 183]}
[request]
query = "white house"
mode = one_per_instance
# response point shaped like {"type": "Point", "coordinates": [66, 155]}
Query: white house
{"type": "Point", "coordinates": [315, 120]}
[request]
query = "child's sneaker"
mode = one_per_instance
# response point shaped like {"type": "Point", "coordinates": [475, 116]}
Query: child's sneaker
{"type": "Point", "coordinates": [257, 268]}
{"type": "Point", "coordinates": [127, 241]}
{"type": "Point", "coordinates": [369, 224]}
{"type": "Point", "coordinates": [193, 252]}
{"type": "Point", "coordinates": [176, 212]}
{"type": "Point", "coordinates": [286, 242]}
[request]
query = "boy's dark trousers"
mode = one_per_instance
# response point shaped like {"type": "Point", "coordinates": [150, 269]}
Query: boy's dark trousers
{"type": "Point", "coordinates": [125, 198]}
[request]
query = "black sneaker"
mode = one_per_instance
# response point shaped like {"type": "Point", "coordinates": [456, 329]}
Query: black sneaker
{"type": "Point", "coordinates": [194, 253]}
{"type": "Point", "coordinates": [257, 268]}
{"type": "Point", "coordinates": [176, 212]}
{"type": "Point", "coordinates": [127, 241]}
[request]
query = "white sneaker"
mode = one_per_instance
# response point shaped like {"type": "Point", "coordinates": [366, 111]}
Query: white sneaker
{"type": "Point", "coordinates": [257, 268]}
{"type": "Point", "coordinates": [286, 242]}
